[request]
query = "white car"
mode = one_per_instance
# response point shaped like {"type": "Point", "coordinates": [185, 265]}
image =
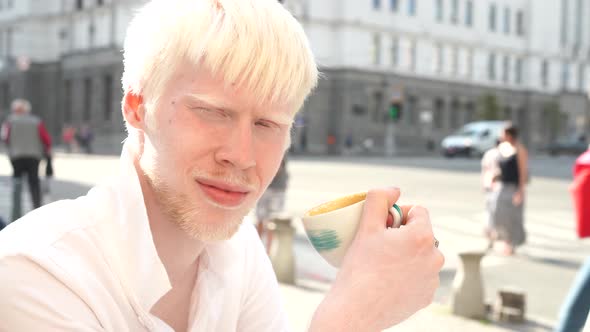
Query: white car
{"type": "Point", "coordinates": [473, 139]}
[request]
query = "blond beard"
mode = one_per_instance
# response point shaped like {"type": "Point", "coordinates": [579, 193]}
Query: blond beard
{"type": "Point", "coordinates": [179, 209]}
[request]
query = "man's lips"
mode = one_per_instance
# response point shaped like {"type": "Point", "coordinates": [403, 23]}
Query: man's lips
{"type": "Point", "coordinates": [222, 193]}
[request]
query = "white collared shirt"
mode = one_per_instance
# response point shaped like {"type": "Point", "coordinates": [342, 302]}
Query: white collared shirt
{"type": "Point", "coordinates": [90, 264]}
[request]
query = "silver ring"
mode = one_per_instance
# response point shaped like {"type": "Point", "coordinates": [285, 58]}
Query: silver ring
{"type": "Point", "coordinates": [435, 243]}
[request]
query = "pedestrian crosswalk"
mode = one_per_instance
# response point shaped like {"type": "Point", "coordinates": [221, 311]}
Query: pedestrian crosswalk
{"type": "Point", "coordinates": [550, 235]}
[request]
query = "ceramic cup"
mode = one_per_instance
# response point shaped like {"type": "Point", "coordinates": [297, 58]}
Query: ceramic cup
{"type": "Point", "coordinates": [331, 226]}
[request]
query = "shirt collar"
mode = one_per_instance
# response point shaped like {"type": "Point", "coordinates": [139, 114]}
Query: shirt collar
{"type": "Point", "coordinates": [142, 268]}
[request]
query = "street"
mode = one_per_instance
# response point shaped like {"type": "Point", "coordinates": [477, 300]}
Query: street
{"type": "Point", "coordinates": [543, 268]}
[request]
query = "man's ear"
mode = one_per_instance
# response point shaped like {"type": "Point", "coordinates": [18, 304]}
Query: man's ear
{"type": "Point", "coordinates": [134, 110]}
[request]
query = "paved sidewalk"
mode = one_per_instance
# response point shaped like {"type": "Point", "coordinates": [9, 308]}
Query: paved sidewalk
{"type": "Point", "coordinates": [300, 303]}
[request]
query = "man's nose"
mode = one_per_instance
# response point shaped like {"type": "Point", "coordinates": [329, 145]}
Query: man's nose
{"type": "Point", "coordinates": [238, 149]}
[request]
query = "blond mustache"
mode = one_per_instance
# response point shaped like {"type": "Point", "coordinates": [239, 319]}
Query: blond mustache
{"type": "Point", "coordinates": [231, 179]}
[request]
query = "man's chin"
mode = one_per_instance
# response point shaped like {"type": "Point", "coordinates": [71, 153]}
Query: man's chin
{"type": "Point", "coordinates": [213, 233]}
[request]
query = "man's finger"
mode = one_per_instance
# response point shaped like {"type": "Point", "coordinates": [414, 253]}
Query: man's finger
{"type": "Point", "coordinates": [377, 204]}
{"type": "Point", "coordinates": [418, 223]}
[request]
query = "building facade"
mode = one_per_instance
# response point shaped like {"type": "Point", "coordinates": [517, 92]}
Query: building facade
{"type": "Point", "coordinates": [65, 57]}
{"type": "Point", "coordinates": [441, 58]}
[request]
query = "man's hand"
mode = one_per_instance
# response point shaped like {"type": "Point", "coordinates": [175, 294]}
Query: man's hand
{"type": "Point", "coordinates": [388, 273]}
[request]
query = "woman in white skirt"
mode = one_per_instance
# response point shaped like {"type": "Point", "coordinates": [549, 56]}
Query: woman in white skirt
{"type": "Point", "coordinates": [509, 199]}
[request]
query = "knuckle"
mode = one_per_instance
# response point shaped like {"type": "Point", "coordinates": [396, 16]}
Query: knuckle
{"type": "Point", "coordinates": [374, 193]}
{"type": "Point", "coordinates": [420, 211]}
{"type": "Point", "coordinates": [423, 239]}
{"type": "Point", "coordinates": [441, 260]}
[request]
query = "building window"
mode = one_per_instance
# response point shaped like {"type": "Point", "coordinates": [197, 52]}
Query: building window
{"type": "Point", "coordinates": [87, 99]}
{"type": "Point", "coordinates": [378, 111]}
{"type": "Point", "coordinates": [544, 73]}
{"type": "Point", "coordinates": [492, 67]}
{"type": "Point", "coordinates": [2, 41]}
{"type": "Point", "coordinates": [439, 13]}
{"type": "Point", "coordinates": [6, 100]}
{"type": "Point", "coordinates": [412, 7]}
{"type": "Point", "coordinates": [395, 51]}
{"type": "Point", "coordinates": [579, 24]}
{"type": "Point", "coordinates": [439, 108]}
{"type": "Point", "coordinates": [518, 71]}
{"type": "Point", "coordinates": [439, 59]}
{"type": "Point", "coordinates": [469, 112]}
{"type": "Point", "coordinates": [454, 60]}
{"type": "Point", "coordinates": [507, 20]}
{"type": "Point", "coordinates": [9, 36]}
{"type": "Point", "coordinates": [91, 34]}
{"type": "Point", "coordinates": [469, 63]}
{"type": "Point", "coordinates": [394, 4]}
{"type": "Point", "coordinates": [108, 96]}
{"type": "Point", "coordinates": [506, 69]}
{"type": "Point", "coordinates": [492, 17]}
{"type": "Point", "coordinates": [565, 20]}
{"type": "Point", "coordinates": [455, 11]}
{"type": "Point", "coordinates": [454, 116]}
{"type": "Point", "coordinates": [376, 4]}
{"type": "Point", "coordinates": [411, 111]}
{"type": "Point", "coordinates": [376, 49]}
{"type": "Point", "coordinates": [79, 4]}
{"type": "Point", "coordinates": [507, 113]}
{"type": "Point", "coordinates": [565, 76]}
{"type": "Point", "coordinates": [469, 13]}
{"type": "Point", "coordinates": [520, 23]}
{"type": "Point", "coordinates": [581, 77]}
{"type": "Point", "coordinates": [412, 55]}
{"type": "Point", "coordinates": [63, 34]}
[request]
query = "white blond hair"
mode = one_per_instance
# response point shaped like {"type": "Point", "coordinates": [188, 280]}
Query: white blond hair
{"type": "Point", "coordinates": [254, 44]}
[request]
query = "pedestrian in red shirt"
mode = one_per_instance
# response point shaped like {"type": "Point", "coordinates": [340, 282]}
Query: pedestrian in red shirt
{"type": "Point", "coordinates": [28, 143]}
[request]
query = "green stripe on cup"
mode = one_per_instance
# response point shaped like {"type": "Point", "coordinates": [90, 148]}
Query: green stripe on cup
{"type": "Point", "coordinates": [324, 239]}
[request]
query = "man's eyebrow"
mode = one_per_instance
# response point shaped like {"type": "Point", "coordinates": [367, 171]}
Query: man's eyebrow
{"type": "Point", "coordinates": [216, 103]}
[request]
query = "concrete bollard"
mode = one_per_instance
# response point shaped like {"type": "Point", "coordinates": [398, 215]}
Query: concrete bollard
{"type": "Point", "coordinates": [281, 251]}
{"type": "Point", "coordinates": [510, 305]}
{"type": "Point", "coordinates": [468, 291]}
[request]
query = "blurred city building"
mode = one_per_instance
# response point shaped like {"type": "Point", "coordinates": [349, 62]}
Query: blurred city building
{"type": "Point", "coordinates": [450, 62]}
{"type": "Point", "coordinates": [446, 62]}
{"type": "Point", "coordinates": [65, 56]}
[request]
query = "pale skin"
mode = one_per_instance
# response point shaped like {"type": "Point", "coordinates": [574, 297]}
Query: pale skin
{"type": "Point", "coordinates": [387, 274]}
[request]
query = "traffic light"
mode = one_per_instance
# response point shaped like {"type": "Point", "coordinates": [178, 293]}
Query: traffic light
{"type": "Point", "coordinates": [395, 110]}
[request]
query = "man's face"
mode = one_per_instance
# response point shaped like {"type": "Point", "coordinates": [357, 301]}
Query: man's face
{"type": "Point", "coordinates": [19, 109]}
{"type": "Point", "coordinates": [210, 151]}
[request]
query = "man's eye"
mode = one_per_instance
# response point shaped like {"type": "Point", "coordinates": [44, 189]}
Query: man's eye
{"type": "Point", "coordinates": [213, 113]}
{"type": "Point", "coordinates": [266, 124]}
